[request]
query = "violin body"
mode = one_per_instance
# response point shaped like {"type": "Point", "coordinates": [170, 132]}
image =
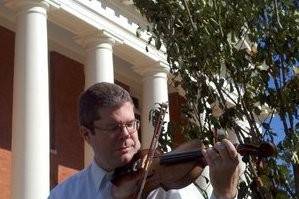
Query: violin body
{"type": "Point", "coordinates": [175, 173]}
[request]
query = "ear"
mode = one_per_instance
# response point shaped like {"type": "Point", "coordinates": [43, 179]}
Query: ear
{"type": "Point", "coordinates": [86, 134]}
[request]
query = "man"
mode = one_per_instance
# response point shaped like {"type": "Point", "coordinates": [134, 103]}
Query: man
{"type": "Point", "coordinates": [108, 124]}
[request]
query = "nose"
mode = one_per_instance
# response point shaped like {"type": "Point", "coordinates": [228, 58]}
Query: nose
{"type": "Point", "coordinates": [124, 131]}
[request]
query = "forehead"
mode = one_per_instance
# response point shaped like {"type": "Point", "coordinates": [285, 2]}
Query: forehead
{"type": "Point", "coordinates": [120, 113]}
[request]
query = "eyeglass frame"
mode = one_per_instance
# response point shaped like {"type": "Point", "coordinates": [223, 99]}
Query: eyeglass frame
{"type": "Point", "coordinates": [120, 126]}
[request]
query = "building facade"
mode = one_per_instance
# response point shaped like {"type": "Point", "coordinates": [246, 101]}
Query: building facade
{"type": "Point", "coordinates": [50, 51]}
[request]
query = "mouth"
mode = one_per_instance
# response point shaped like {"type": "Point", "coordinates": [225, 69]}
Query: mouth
{"type": "Point", "coordinates": [124, 149]}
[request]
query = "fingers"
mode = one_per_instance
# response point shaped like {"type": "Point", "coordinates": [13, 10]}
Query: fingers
{"type": "Point", "coordinates": [222, 151]}
{"type": "Point", "coordinates": [224, 170]}
{"type": "Point", "coordinates": [220, 148]}
{"type": "Point", "coordinates": [211, 156]}
{"type": "Point", "coordinates": [232, 152]}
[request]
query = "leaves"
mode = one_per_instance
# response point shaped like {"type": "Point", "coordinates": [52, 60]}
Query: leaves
{"type": "Point", "coordinates": [242, 56]}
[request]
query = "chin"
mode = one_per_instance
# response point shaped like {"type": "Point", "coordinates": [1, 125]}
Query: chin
{"type": "Point", "coordinates": [125, 158]}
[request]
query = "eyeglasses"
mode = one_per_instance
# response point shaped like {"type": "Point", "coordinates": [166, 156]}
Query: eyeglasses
{"type": "Point", "coordinates": [131, 127]}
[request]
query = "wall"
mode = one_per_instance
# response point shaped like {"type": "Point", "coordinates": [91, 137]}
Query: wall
{"type": "Point", "coordinates": [66, 83]}
{"type": "Point", "coordinates": [176, 118]}
{"type": "Point", "coordinates": [6, 82]}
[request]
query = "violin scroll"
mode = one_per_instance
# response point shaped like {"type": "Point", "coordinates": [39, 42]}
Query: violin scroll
{"type": "Point", "coordinates": [264, 150]}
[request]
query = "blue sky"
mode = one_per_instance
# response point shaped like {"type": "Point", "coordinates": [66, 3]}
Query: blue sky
{"type": "Point", "coordinates": [276, 123]}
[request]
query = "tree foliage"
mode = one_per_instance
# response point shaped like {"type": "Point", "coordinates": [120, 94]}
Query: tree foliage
{"type": "Point", "coordinates": [234, 60]}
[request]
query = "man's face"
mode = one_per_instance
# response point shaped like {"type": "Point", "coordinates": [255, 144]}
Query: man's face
{"type": "Point", "coordinates": [113, 144]}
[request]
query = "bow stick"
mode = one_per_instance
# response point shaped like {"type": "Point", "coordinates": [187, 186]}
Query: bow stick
{"type": "Point", "coordinates": [153, 145]}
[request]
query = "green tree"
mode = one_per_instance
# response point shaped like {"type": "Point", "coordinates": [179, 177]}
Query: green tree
{"type": "Point", "coordinates": [238, 57]}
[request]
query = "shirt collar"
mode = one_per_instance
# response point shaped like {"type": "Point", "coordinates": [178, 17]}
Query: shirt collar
{"type": "Point", "coordinates": [98, 174]}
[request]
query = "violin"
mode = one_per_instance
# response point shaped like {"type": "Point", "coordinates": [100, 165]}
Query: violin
{"type": "Point", "coordinates": [182, 166]}
{"type": "Point", "coordinates": [178, 168]}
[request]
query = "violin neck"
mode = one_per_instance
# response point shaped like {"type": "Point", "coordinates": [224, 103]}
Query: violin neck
{"type": "Point", "coordinates": [179, 157]}
{"type": "Point", "coordinates": [266, 149]}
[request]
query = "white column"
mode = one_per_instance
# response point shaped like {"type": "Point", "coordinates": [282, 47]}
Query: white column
{"type": "Point", "coordinates": [99, 62]}
{"type": "Point", "coordinates": [30, 122]}
{"type": "Point", "coordinates": [98, 68]}
{"type": "Point", "coordinates": [155, 90]}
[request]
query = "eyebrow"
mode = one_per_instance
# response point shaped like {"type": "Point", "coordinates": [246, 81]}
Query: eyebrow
{"type": "Point", "coordinates": [116, 123]}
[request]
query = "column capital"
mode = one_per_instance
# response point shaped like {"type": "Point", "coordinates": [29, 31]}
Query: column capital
{"type": "Point", "coordinates": [155, 68]}
{"type": "Point", "coordinates": [20, 5]}
{"type": "Point", "coordinates": [94, 38]}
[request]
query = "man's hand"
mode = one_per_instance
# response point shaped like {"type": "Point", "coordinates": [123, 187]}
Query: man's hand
{"type": "Point", "coordinates": [127, 186]}
{"type": "Point", "coordinates": [223, 160]}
